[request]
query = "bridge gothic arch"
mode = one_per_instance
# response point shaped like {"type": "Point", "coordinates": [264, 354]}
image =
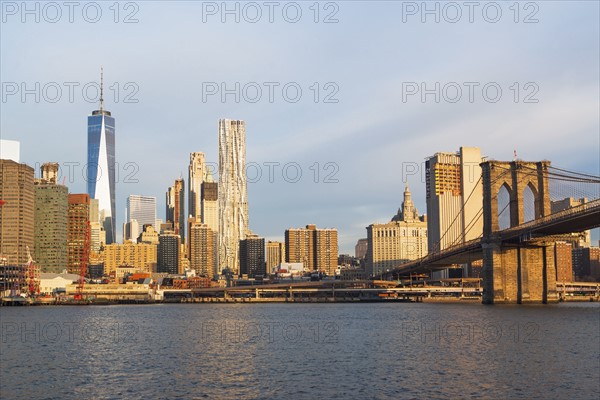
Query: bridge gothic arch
{"type": "Point", "coordinates": [512, 272]}
{"type": "Point", "coordinates": [515, 177]}
{"type": "Point", "coordinates": [531, 205]}
{"type": "Point", "coordinates": [503, 198]}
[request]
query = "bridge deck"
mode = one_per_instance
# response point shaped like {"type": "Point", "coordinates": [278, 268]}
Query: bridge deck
{"type": "Point", "coordinates": [576, 219]}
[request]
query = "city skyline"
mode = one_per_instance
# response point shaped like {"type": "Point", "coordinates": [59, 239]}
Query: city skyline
{"type": "Point", "coordinates": [375, 141]}
{"type": "Point", "coordinates": [286, 195]}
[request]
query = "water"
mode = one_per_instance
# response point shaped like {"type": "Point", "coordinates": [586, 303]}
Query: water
{"type": "Point", "coordinates": [280, 351]}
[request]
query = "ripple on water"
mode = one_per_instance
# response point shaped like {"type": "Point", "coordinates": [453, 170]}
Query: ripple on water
{"type": "Point", "coordinates": [362, 351]}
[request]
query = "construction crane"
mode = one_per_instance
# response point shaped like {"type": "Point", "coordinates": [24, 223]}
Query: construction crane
{"type": "Point", "coordinates": [83, 265]}
{"type": "Point", "coordinates": [33, 276]}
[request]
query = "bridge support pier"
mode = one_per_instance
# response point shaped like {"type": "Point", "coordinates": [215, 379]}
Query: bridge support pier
{"type": "Point", "coordinates": [518, 274]}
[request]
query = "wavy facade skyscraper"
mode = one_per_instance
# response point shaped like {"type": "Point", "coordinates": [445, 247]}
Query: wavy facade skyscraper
{"type": "Point", "coordinates": [101, 166]}
{"type": "Point", "coordinates": [233, 197]}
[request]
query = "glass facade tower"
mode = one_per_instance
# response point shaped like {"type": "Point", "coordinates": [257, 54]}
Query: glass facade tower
{"type": "Point", "coordinates": [101, 167]}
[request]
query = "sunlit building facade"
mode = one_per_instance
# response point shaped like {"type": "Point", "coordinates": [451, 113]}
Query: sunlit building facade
{"type": "Point", "coordinates": [196, 175]}
{"type": "Point", "coordinates": [233, 197]}
{"type": "Point", "coordinates": [454, 194]}
{"type": "Point", "coordinates": [176, 208]}
{"type": "Point", "coordinates": [316, 248]}
{"type": "Point", "coordinates": [17, 212]}
{"type": "Point", "coordinates": [101, 167]}
{"type": "Point", "coordinates": [402, 239]}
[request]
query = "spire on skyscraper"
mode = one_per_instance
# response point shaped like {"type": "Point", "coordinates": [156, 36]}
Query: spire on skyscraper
{"type": "Point", "coordinates": [101, 89]}
{"type": "Point", "coordinates": [101, 163]}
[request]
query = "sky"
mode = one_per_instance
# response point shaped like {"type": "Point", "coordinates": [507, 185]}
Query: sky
{"type": "Point", "coordinates": [343, 101]}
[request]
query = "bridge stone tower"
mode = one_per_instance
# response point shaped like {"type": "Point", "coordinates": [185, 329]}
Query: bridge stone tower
{"type": "Point", "coordinates": [516, 271]}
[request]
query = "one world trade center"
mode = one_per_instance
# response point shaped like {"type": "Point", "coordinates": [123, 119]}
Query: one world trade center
{"type": "Point", "coordinates": [101, 165]}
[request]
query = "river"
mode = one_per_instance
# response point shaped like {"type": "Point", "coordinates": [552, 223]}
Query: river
{"type": "Point", "coordinates": [301, 351]}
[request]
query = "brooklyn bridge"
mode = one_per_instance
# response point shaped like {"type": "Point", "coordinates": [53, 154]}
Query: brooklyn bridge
{"type": "Point", "coordinates": [518, 260]}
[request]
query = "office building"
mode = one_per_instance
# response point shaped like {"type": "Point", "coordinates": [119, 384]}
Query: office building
{"type": "Point", "coordinates": [79, 244]}
{"type": "Point", "coordinates": [51, 211]}
{"type": "Point", "coordinates": [210, 213]}
{"type": "Point", "coordinates": [402, 239]}
{"type": "Point", "coordinates": [454, 200]}
{"type": "Point", "coordinates": [142, 209]}
{"type": "Point", "coordinates": [17, 212]}
{"type": "Point", "coordinates": [232, 193]}
{"type": "Point", "coordinates": [210, 203]}
{"type": "Point", "coordinates": [98, 235]}
{"type": "Point", "coordinates": [316, 248]}
{"type": "Point", "coordinates": [101, 166]}
{"type": "Point", "coordinates": [176, 208]}
{"type": "Point", "coordinates": [196, 175]}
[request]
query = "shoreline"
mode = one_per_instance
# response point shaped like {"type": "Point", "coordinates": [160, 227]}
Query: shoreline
{"type": "Point", "coordinates": [208, 300]}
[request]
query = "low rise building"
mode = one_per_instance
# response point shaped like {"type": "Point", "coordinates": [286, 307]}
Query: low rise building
{"type": "Point", "coordinates": [51, 283]}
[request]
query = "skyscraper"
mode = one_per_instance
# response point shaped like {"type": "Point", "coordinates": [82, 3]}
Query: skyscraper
{"type": "Point", "coordinates": [78, 240]}
{"type": "Point", "coordinates": [17, 213]}
{"type": "Point", "coordinates": [98, 235]}
{"type": "Point", "coordinates": [196, 175]}
{"type": "Point", "coordinates": [141, 209]}
{"type": "Point", "coordinates": [210, 215]}
{"type": "Point", "coordinates": [176, 208]}
{"type": "Point", "coordinates": [233, 198]}
{"type": "Point", "coordinates": [454, 198]}
{"type": "Point", "coordinates": [50, 221]}
{"type": "Point", "coordinates": [101, 165]}
{"type": "Point", "coordinates": [210, 203]}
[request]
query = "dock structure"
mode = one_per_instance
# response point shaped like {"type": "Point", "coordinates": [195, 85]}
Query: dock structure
{"type": "Point", "coordinates": [326, 291]}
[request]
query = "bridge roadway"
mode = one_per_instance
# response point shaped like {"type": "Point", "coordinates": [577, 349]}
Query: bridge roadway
{"type": "Point", "coordinates": [332, 289]}
{"type": "Point", "coordinates": [576, 219]}
{"type": "Point", "coordinates": [468, 287]}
